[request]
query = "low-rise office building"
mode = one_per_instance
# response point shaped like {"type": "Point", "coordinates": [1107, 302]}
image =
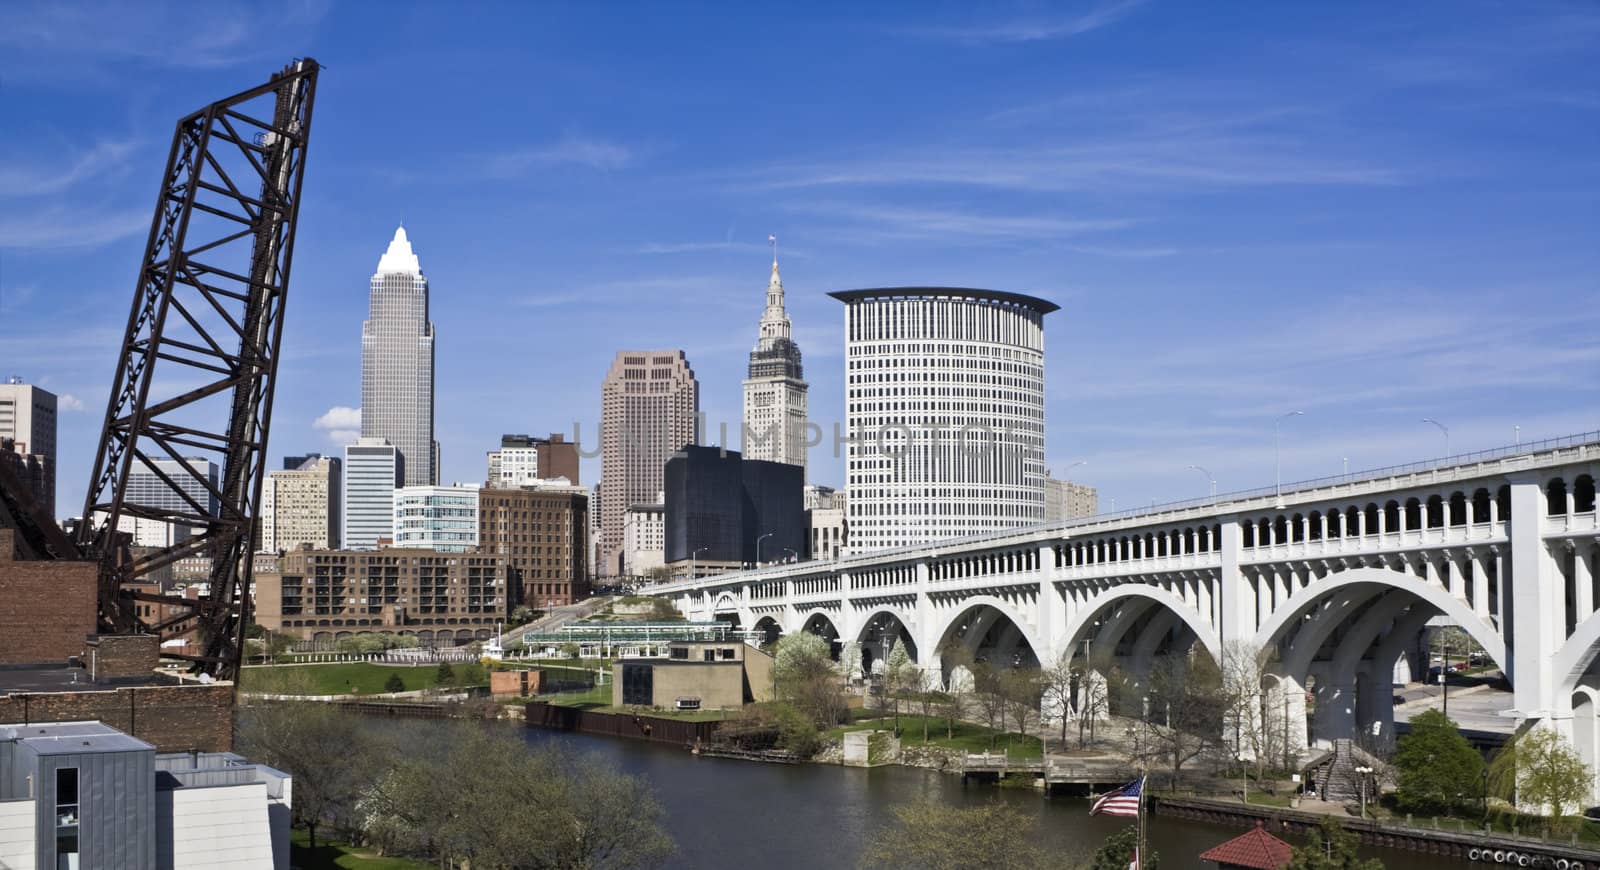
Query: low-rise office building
{"type": "Point", "coordinates": [440, 598]}
{"type": "Point", "coordinates": [83, 794]}
{"type": "Point", "coordinates": [644, 533]}
{"type": "Point", "coordinates": [694, 675]}
{"type": "Point", "coordinates": [442, 518]}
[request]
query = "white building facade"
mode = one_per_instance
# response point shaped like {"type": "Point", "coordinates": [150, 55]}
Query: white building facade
{"type": "Point", "coordinates": [1065, 500]}
{"type": "Point", "coordinates": [397, 343]}
{"type": "Point", "coordinates": [300, 506]}
{"type": "Point", "coordinates": [644, 539]}
{"type": "Point", "coordinates": [188, 506]}
{"type": "Point", "coordinates": [775, 390]}
{"type": "Point", "coordinates": [944, 413]}
{"type": "Point", "coordinates": [443, 518]}
{"type": "Point", "coordinates": [371, 468]}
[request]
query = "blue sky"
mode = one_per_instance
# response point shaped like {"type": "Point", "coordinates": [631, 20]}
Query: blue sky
{"type": "Point", "coordinates": [1372, 212]}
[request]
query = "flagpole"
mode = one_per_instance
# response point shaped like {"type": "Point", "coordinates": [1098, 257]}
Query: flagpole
{"type": "Point", "coordinates": [1138, 852]}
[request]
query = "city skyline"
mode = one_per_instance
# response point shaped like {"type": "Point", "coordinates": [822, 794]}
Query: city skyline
{"type": "Point", "coordinates": [1360, 245]}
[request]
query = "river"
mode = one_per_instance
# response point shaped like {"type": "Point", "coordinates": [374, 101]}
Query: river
{"type": "Point", "coordinates": [742, 814]}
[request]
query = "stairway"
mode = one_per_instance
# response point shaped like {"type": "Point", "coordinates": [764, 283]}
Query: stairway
{"type": "Point", "coordinates": [1338, 780]}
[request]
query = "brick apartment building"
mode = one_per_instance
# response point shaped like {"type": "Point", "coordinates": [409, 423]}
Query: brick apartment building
{"type": "Point", "coordinates": [440, 598]}
{"type": "Point", "coordinates": [542, 532]}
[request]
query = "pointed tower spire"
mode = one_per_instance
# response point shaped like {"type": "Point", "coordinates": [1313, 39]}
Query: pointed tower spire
{"type": "Point", "coordinates": [399, 257]}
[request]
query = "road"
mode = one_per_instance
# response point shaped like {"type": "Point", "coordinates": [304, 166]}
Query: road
{"type": "Point", "coordinates": [554, 619]}
{"type": "Point", "coordinates": [1475, 708]}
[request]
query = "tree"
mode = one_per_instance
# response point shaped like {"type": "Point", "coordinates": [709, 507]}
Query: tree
{"type": "Point", "coordinates": [444, 675]}
{"type": "Point", "coordinates": [394, 684]}
{"type": "Point", "coordinates": [1539, 768]}
{"type": "Point", "coordinates": [991, 700]}
{"type": "Point", "coordinates": [1438, 769]}
{"type": "Point", "coordinates": [929, 698]}
{"type": "Point", "coordinates": [1330, 847]}
{"type": "Point", "coordinates": [803, 676]}
{"type": "Point", "coordinates": [485, 799]}
{"type": "Point", "coordinates": [332, 758]}
{"type": "Point", "coordinates": [1254, 718]}
{"type": "Point", "coordinates": [1187, 705]}
{"type": "Point", "coordinates": [937, 836]}
{"type": "Point", "coordinates": [957, 660]}
{"type": "Point", "coordinates": [1019, 688]}
{"type": "Point", "coordinates": [1057, 686]}
{"type": "Point", "coordinates": [898, 672]}
{"type": "Point", "coordinates": [1116, 853]}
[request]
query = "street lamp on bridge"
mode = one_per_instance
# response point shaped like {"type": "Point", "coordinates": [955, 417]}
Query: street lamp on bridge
{"type": "Point", "coordinates": [758, 545]}
{"type": "Point", "coordinates": [1277, 452]}
{"type": "Point", "coordinates": [1442, 428]}
{"type": "Point", "coordinates": [1208, 477]}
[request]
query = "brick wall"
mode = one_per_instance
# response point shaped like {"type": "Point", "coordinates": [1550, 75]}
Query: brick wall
{"type": "Point", "coordinates": [112, 656]}
{"type": "Point", "coordinates": [46, 609]}
{"type": "Point", "coordinates": [173, 718]}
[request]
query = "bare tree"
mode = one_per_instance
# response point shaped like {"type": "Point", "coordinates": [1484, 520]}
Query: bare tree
{"type": "Point", "coordinates": [929, 698]}
{"type": "Point", "coordinates": [332, 758]}
{"type": "Point", "coordinates": [1019, 687]}
{"type": "Point", "coordinates": [1254, 718]}
{"type": "Point", "coordinates": [988, 692]}
{"type": "Point", "coordinates": [956, 659]}
{"type": "Point", "coordinates": [1058, 686]}
{"type": "Point", "coordinates": [1187, 709]}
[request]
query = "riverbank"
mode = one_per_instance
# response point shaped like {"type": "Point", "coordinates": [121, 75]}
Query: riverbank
{"type": "Point", "coordinates": [1464, 843]}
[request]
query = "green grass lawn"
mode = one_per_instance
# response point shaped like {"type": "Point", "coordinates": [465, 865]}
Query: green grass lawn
{"type": "Point", "coordinates": [329, 855]}
{"type": "Point", "coordinates": [967, 736]}
{"type": "Point", "coordinates": [339, 678]}
{"type": "Point", "coordinates": [599, 696]}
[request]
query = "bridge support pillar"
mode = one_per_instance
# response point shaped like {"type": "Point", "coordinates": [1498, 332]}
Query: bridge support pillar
{"type": "Point", "coordinates": [1336, 711]}
{"type": "Point", "coordinates": [1375, 704]}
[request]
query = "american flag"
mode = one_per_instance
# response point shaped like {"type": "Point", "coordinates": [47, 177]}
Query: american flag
{"type": "Point", "coordinates": [1121, 801]}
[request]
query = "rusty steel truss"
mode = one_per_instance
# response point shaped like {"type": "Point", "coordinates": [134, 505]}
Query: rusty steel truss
{"type": "Point", "coordinates": [198, 364]}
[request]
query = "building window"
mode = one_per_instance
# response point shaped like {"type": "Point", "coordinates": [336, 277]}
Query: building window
{"type": "Point", "coordinates": [66, 817]}
{"type": "Point", "coordinates": [638, 685]}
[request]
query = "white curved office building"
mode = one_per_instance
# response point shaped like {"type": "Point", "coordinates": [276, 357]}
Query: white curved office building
{"type": "Point", "coordinates": [944, 411]}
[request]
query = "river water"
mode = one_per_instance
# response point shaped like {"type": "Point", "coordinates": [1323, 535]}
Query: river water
{"type": "Point", "coordinates": [742, 814]}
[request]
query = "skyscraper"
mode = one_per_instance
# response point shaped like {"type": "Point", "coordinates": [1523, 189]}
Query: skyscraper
{"type": "Point", "coordinates": [397, 363]}
{"type": "Point", "coordinates": [28, 419]}
{"type": "Point", "coordinates": [649, 408]}
{"type": "Point", "coordinates": [775, 391]}
{"type": "Point", "coordinates": [371, 467]}
{"type": "Point", "coordinates": [945, 413]}
{"type": "Point", "coordinates": [187, 506]}
{"type": "Point", "coordinates": [300, 505]}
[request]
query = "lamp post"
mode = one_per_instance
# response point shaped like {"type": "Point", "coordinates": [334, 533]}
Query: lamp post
{"type": "Point", "coordinates": [758, 546]}
{"type": "Point", "coordinates": [693, 573]}
{"type": "Point", "coordinates": [1074, 464]}
{"type": "Point", "coordinates": [1442, 428]}
{"type": "Point", "coordinates": [1485, 799]}
{"type": "Point", "coordinates": [792, 553]}
{"type": "Point", "coordinates": [1364, 772]}
{"type": "Point", "coordinates": [1277, 452]}
{"type": "Point", "coordinates": [1208, 477]}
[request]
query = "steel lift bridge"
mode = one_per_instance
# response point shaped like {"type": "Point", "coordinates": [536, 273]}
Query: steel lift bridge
{"type": "Point", "coordinates": [196, 372]}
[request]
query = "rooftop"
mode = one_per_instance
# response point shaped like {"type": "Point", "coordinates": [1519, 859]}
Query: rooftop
{"type": "Point", "coordinates": [1043, 306]}
{"type": "Point", "coordinates": [1254, 848]}
{"type": "Point", "coordinates": [72, 738]}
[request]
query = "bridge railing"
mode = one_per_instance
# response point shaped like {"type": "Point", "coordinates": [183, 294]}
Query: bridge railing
{"type": "Point", "coordinates": [1459, 460]}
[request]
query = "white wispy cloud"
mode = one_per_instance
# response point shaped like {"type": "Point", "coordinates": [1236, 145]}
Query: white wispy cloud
{"type": "Point", "coordinates": [59, 227]}
{"type": "Point", "coordinates": [69, 402]}
{"type": "Point", "coordinates": [876, 222]}
{"type": "Point", "coordinates": [340, 423]}
{"type": "Point", "coordinates": [339, 417]}
{"type": "Point", "coordinates": [570, 150]}
{"type": "Point", "coordinates": [1035, 29]}
{"type": "Point", "coordinates": [42, 180]}
{"type": "Point", "coordinates": [175, 35]}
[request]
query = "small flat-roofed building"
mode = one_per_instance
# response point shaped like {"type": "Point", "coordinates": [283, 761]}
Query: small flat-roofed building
{"type": "Point", "coordinates": [694, 675]}
{"type": "Point", "coordinates": [83, 794]}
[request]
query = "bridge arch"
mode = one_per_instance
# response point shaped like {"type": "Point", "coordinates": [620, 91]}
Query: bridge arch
{"type": "Point", "coordinates": [1311, 595]}
{"type": "Point", "coordinates": [880, 628]}
{"type": "Point", "coordinates": [769, 627]}
{"type": "Point", "coordinates": [976, 617]}
{"type": "Point", "coordinates": [823, 623]}
{"type": "Point", "coordinates": [1091, 615]}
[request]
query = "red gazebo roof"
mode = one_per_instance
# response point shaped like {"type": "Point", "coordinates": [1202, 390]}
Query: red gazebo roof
{"type": "Point", "coordinates": [1254, 848]}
